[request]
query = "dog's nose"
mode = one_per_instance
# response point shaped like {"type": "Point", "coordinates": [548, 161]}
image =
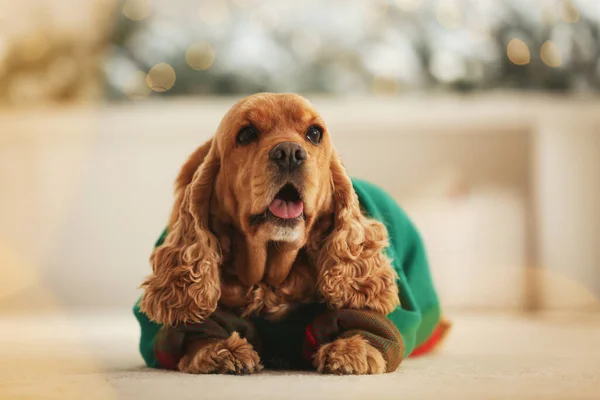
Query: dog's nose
{"type": "Point", "coordinates": [288, 155]}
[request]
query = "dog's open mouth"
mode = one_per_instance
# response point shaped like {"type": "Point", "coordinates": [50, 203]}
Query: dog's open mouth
{"type": "Point", "coordinates": [287, 204]}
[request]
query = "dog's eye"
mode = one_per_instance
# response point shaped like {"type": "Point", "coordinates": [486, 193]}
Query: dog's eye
{"type": "Point", "coordinates": [314, 134]}
{"type": "Point", "coordinates": [246, 135]}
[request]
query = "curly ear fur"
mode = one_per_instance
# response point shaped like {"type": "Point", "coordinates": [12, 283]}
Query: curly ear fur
{"type": "Point", "coordinates": [185, 285]}
{"type": "Point", "coordinates": [185, 176]}
{"type": "Point", "coordinates": [353, 269]}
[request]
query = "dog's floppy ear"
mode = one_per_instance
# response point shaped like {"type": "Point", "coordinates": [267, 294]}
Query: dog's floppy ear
{"type": "Point", "coordinates": [353, 269]}
{"type": "Point", "coordinates": [184, 285]}
{"type": "Point", "coordinates": [186, 174]}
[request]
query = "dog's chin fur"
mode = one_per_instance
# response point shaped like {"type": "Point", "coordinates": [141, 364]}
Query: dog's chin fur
{"type": "Point", "coordinates": [279, 230]}
{"type": "Point", "coordinates": [285, 230]}
{"type": "Point", "coordinates": [288, 234]}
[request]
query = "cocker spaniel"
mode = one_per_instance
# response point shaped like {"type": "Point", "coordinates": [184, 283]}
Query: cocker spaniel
{"type": "Point", "coordinates": [266, 221]}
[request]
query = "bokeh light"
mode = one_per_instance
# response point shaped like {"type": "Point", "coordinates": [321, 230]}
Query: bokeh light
{"type": "Point", "coordinates": [449, 14]}
{"type": "Point", "coordinates": [518, 52]}
{"type": "Point", "coordinates": [161, 77]}
{"type": "Point", "coordinates": [550, 54]}
{"type": "Point", "coordinates": [214, 12]}
{"type": "Point", "coordinates": [569, 11]}
{"type": "Point", "coordinates": [284, 45]}
{"type": "Point", "coordinates": [137, 10]}
{"type": "Point", "coordinates": [200, 56]}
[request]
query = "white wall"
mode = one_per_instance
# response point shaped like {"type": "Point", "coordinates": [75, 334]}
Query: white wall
{"type": "Point", "coordinates": [568, 193]}
{"type": "Point", "coordinates": [85, 192]}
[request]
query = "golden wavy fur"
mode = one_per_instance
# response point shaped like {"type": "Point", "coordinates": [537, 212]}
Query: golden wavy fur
{"type": "Point", "coordinates": [224, 247]}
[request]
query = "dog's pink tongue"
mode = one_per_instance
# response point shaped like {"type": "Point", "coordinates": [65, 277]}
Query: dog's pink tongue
{"type": "Point", "coordinates": [286, 209]}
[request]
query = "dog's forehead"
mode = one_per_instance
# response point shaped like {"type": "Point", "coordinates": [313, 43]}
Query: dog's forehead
{"type": "Point", "coordinates": [269, 109]}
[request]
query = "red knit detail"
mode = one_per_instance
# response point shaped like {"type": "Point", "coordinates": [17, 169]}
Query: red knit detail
{"type": "Point", "coordinates": [165, 360]}
{"type": "Point", "coordinates": [311, 345]}
{"type": "Point", "coordinates": [429, 344]}
{"type": "Point", "coordinates": [310, 336]}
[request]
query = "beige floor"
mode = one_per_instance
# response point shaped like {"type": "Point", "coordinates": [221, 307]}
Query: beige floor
{"type": "Point", "coordinates": [485, 357]}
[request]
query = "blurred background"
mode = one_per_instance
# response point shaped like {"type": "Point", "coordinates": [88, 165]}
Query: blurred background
{"type": "Point", "coordinates": [479, 116]}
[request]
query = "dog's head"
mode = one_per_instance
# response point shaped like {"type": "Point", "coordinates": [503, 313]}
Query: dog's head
{"type": "Point", "coordinates": [269, 178]}
{"type": "Point", "coordinates": [274, 153]}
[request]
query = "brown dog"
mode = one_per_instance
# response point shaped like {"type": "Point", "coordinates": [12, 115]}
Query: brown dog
{"type": "Point", "coordinates": [266, 219]}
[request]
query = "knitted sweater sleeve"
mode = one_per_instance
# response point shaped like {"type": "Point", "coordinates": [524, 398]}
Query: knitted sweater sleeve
{"type": "Point", "coordinates": [419, 312]}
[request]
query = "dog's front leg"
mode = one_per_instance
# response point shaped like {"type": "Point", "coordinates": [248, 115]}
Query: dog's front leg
{"type": "Point", "coordinates": [233, 355]}
{"type": "Point", "coordinates": [354, 342]}
{"type": "Point", "coordinates": [223, 343]}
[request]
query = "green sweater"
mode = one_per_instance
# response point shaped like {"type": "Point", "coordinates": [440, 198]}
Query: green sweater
{"type": "Point", "coordinates": [416, 317]}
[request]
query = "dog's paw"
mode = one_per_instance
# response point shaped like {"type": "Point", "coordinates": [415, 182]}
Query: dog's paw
{"type": "Point", "coordinates": [230, 356]}
{"type": "Point", "coordinates": [349, 356]}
